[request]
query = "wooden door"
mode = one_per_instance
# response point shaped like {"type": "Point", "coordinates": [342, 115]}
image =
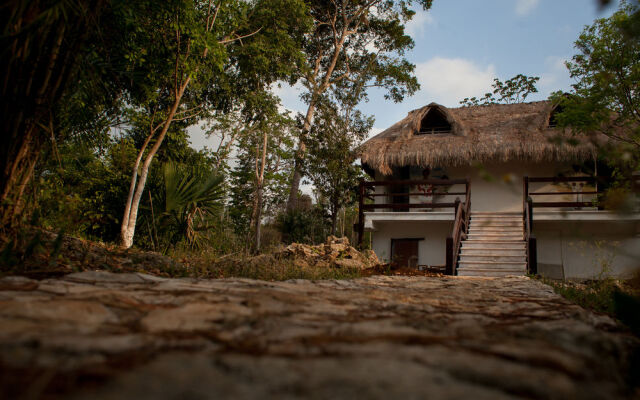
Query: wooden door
{"type": "Point", "coordinates": [404, 252]}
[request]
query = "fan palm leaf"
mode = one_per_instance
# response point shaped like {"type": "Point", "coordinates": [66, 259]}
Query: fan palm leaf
{"type": "Point", "coordinates": [190, 198]}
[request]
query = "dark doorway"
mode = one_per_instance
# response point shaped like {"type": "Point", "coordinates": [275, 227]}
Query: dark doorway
{"type": "Point", "coordinates": [397, 191]}
{"type": "Point", "coordinates": [404, 252]}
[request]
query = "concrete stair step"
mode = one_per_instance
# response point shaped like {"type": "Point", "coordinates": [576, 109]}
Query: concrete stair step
{"type": "Point", "coordinates": [490, 244]}
{"type": "Point", "coordinates": [488, 226]}
{"type": "Point", "coordinates": [492, 265]}
{"type": "Point", "coordinates": [496, 221]}
{"type": "Point", "coordinates": [489, 230]}
{"type": "Point", "coordinates": [481, 232]}
{"type": "Point", "coordinates": [491, 273]}
{"type": "Point", "coordinates": [496, 236]}
{"type": "Point", "coordinates": [502, 251]}
{"type": "Point", "coordinates": [496, 217]}
{"type": "Point", "coordinates": [496, 212]}
{"type": "Point", "coordinates": [499, 258]}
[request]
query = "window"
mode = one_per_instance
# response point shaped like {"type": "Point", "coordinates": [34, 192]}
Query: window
{"type": "Point", "coordinates": [434, 122]}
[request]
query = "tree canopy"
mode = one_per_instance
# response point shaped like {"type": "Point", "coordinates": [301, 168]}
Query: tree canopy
{"type": "Point", "coordinates": [354, 45]}
{"type": "Point", "coordinates": [514, 90]}
{"type": "Point", "coordinates": [605, 98]}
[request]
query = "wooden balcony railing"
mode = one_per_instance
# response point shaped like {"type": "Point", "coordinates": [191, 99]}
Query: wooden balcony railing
{"type": "Point", "coordinates": [532, 199]}
{"type": "Point", "coordinates": [435, 195]}
{"type": "Point", "coordinates": [578, 181]}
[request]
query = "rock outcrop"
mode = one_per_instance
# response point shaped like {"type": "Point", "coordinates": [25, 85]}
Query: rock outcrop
{"type": "Point", "coordinates": [336, 252]}
{"type": "Point", "coordinates": [100, 335]}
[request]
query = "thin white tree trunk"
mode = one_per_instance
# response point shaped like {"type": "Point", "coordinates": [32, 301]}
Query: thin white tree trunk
{"type": "Point", "coordinates": [132, 187]}
{"type": "Point", "coordinates": [128, 226]}
{"type": "Point", "coordinates": [259, 193]}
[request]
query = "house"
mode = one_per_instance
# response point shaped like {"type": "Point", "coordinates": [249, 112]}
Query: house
{"type": "Point", "coordinates": [493, 190]}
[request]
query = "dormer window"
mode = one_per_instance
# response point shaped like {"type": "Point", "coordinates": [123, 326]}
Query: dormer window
{"type": "Point", "coordinates": [553, 122]}
{"type": "Point", "coordinates": [434, 122]}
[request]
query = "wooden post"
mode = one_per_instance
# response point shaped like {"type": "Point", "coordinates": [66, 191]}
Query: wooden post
{"type": "Point", "coordinates": [529, 205]}
{"type": "Point", "coordinates": [456, 206]}
{"type": "Point", "coordinates": [525, 192]}
{"type": "Point", "coordinates": [360, 213]}
{"type": "Point", "coordinates": [533, 255]}
{"type": "Point", "coordinates": [467, 196]}
{"type": "Point", "coordinates": [449, 257]}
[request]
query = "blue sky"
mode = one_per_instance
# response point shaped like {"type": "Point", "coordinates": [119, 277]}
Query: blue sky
{"type": "Point", "coordinates": [461, 45]}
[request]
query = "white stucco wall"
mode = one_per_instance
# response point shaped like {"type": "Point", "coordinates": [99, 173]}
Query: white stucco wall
{"type": "Point", "coordinates": [498, 187]}
{"type": "Point", "coordinates": [431, 250]}
{"type": "Point", "coordinates": [587, 249]}
{"type": "Point", "coordinates": [494, 186]}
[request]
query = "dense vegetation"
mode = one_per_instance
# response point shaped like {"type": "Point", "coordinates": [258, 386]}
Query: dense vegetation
{"type": "Point", "coordinates": [103, 93]}
{"type": "Point", "coordinates": [99, 96]}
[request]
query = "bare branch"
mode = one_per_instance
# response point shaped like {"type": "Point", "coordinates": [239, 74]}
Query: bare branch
{"type": "Point", "coordinates": [229, 40]}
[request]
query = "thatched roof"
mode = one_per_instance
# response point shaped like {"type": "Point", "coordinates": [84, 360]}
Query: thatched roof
{"type": "Point", "coordinates": [500, 132]}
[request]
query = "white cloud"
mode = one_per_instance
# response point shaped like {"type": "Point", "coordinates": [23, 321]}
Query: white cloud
{"type": "Point", "coordinates": [555, 77]}
{"type": "Point", "coordinates": [419, 23]}
{"type": "Point", "coordinates": [524, 7]}
{"type": "Point", "coordinates": [449, 80]}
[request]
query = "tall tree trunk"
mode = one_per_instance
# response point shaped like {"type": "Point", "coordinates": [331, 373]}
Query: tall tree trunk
{"type": "Point", "coordinates": [292, 201]}
{"type": "Point", "coordinates": [259, 193]}
{"type": "Point", "coordinates": [258, 219]}
{"type": "Point", "coordinates": [128, 227]}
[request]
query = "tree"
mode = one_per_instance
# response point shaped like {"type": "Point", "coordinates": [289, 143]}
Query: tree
{"type": "Point", "coordinates": [332, 147]}
{"type": "Point", "coordinates": [514, 90]}
{"type": "Point", "coordinates": [196, 53]}
{"type": "Point", "coordinates": [260, 177]}
{"type": "Point", "coordinates": [354, 42]}
{"type": "Point", "coordinates": [43, 43]}
{"type": "Point", "coordinates": [605, 99]}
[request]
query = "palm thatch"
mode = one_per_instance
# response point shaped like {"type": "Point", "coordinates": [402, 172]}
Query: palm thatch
{"type": "Point", "coordinates": [499, 132]}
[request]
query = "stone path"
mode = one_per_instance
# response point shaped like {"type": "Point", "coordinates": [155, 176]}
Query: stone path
{"type": "Point", "coordinates": [98, 335]}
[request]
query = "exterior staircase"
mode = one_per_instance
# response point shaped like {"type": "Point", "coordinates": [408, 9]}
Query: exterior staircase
{"type": "Point", "coordinates": [495, 245]}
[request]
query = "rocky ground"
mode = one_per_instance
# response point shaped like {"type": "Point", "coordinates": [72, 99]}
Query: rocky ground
{"type": "Point", "coordinates": [100, 335]}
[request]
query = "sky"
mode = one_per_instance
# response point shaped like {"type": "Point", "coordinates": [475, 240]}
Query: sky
{"type": "Point", "coordinates": [462, 45]}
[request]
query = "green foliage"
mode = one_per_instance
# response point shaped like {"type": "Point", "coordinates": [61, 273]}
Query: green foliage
{"type": "Point", "coordinates": [604, 98]}
{"type": "Point", "coordinates": [80, 191]}
{"type": "Point", "coordinates": [373, 49]}
{"type": "Point", "coordinates": [619, 299]}
{"type": "Point", "coordinates": [332, 145]}
{"type": "Point", "coordinates": [306, 224]}
{"type": "Point", "coordinates": [597, 295]}
{"type": "Point", "coordinates": [514, 90]}
{"type": "Point", "coordinates": [189, 203]}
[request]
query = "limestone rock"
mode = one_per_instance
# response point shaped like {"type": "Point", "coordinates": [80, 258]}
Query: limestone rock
{"type": "Point", "coordinates": [376, 337]}
{"type": "Point", "coordinates": [336, 252]}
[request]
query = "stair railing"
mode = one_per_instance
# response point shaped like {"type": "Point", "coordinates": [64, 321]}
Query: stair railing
{"type": "Point", "coordinates": [459, 232]}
